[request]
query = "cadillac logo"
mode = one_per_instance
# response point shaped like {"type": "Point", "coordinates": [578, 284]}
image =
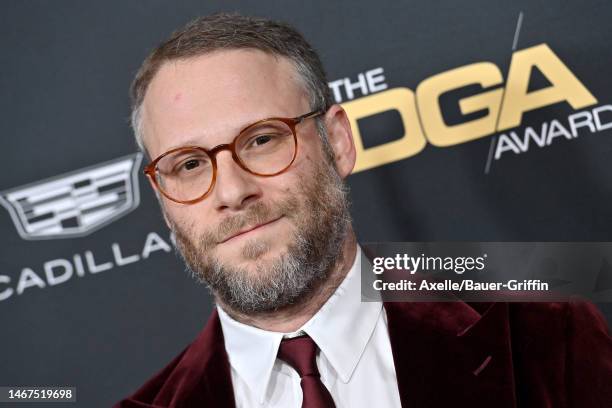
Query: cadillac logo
{"type": "Point", "coordinates": [77, 203]}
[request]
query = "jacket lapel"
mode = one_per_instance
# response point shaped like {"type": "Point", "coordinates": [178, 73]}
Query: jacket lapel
{"type": "Point", "coordinates": [205, 371]}
{"type": "Point", "coordinates": [448, 354]}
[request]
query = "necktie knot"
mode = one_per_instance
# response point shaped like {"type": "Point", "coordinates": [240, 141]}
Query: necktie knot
{"type": "Point", "coordinates": [301, 354]}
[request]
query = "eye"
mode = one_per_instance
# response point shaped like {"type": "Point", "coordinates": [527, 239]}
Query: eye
{"type": "Point", "coordinates": [261, 140]}
{"type": "Point", "coordinates": [191, 164]}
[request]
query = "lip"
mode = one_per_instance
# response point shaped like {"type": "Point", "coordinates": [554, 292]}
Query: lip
{"type": "Point", "coordinates": [249, 229]}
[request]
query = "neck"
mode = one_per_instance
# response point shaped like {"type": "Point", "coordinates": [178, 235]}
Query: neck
{"type": "Point", "coordinates": [295, 316]}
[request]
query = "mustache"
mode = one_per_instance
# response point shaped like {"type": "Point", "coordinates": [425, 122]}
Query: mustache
{"type": "Point", "coordinates": [255, 214]}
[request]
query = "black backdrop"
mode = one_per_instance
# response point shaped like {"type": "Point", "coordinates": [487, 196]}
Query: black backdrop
{"type": "Point", "coordinates": [65, 69]}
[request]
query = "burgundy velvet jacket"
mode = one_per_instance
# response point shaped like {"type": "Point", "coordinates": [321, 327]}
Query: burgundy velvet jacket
{"type": "Point", "coordinates": [446, 354]}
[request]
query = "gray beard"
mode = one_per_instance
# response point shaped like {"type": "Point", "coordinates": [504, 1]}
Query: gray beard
{"type": "Point", "coordinates": [315, 249]}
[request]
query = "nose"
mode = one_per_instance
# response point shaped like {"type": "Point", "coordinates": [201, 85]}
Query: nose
{"type": "Point", "coordinates": [234, 187]}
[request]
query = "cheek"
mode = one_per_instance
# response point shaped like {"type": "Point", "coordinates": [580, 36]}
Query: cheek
{"type": "Point", "coordinates": [284, 188]}
{"type": "Point", "coordinates": [304, 165]}
{"type": "Point", "coordinates": [187, 218]}
{"type": "Point", "coordinates": [305, 158]}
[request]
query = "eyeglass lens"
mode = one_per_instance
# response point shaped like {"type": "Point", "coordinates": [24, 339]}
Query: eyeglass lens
{"type": "Point", "coordinates": [265, 149]}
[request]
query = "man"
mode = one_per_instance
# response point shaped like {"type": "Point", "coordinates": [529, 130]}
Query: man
{"type": "Point", "coordinates": [249, 157]}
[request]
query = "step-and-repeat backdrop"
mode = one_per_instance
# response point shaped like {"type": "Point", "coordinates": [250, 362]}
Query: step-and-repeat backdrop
{"type": "Point", "coordinates": [474, 120]}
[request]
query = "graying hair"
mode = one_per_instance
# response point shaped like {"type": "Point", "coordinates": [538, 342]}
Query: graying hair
{"type": "Point", "coordinates": [233, 31]}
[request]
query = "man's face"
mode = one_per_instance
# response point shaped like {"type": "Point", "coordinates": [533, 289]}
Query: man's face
{"type": "Point", "coordinates": [260, 243]}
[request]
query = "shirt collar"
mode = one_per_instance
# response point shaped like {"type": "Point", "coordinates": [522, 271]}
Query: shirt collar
{"type": "Point", "coordinates": [341, 329]}
{"type": "Point", "coordinates": [251, 351]}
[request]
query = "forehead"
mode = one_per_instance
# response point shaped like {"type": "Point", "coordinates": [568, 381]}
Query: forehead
{"type": "Point", "coordinates": [206, 99]}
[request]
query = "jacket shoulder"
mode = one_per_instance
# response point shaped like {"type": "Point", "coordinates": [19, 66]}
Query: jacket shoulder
{"type": "Point", "coordinates": [150, 390]}
{"type": "Point", "coordinates": [567, 343]}
{"type": "Point", "coordinates": [198, 376]}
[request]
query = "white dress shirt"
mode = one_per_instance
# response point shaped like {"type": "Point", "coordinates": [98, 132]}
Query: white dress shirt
{"type": "Point", "coordinates": [355, 360]}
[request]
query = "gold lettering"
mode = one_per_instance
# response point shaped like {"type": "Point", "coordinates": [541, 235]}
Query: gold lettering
{"type": "Point", "coordinates": [565, 86]}
{"type": "Point", "coordinates": [428, 93]}
{"type": "Point", "coordinates": [412, 141]}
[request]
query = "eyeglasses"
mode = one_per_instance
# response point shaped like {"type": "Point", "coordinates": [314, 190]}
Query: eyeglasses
{"type": "Point", "coordinates": [265, 148]}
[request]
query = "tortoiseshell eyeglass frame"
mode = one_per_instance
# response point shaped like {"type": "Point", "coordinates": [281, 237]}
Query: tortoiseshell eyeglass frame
{"type": "Point", "coordinates": [151, 168]}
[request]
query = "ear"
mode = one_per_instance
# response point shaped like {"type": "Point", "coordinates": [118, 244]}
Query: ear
{"type": "Point", "coordinates": [340, 138]}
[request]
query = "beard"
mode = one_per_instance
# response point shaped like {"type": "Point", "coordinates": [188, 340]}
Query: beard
{"type": "Point", "coordinates": [320, 214]}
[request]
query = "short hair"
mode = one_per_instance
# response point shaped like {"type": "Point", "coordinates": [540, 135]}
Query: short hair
{"type": "Point", "coordinates": [233, 31]}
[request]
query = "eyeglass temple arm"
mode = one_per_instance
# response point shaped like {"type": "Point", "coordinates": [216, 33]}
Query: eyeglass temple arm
{"type": "Point", "coordinates": [308, 115]}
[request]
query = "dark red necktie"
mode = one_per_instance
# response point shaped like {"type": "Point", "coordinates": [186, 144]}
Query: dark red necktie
{"type": "Point", "coordinates": [301, 353]}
